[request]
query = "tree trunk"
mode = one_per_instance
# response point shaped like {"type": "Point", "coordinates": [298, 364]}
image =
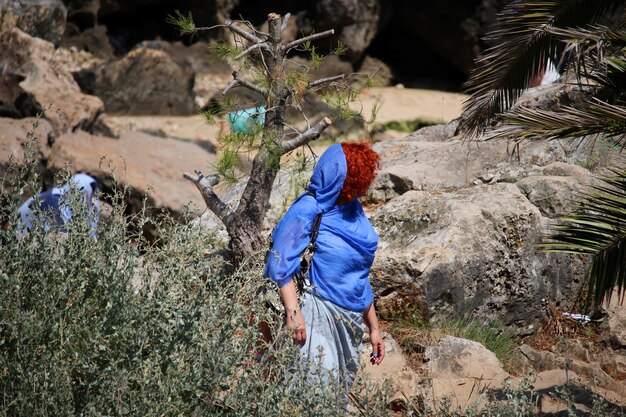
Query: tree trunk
{"type": "Point", "coordinates": [245, 224]}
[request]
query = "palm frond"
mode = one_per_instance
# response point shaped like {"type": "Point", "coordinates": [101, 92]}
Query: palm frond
{"type": "Point", "coordinates": [525, 44]}
{"type": "Point", "coordinates": [598, 229]}
{"type": "Point", "coordinates": [593, 117]}
{"type": "Point", "coordinates": [598, 54]}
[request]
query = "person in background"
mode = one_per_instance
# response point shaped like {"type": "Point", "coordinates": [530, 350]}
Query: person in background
{"type": "Point", "coordinates": [339, 301]}
{"type": "Point", "coordinates": [55, 204]}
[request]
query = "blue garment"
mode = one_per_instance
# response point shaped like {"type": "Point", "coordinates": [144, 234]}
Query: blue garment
{"type": "Point", "coordinates": [346, 242]}
{"type": "Point", "coordinates": [52, 201]}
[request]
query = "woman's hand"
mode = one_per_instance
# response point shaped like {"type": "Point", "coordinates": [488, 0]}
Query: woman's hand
{"type": "Point", "coordinates": [378, 347]}
{"type": "Point", "coordinates": [295, 323]}
{"type": "Point", "coordinates": [295, 320]}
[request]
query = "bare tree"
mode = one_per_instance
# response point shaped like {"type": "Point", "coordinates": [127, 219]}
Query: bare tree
{"type": "Point", "coordinates": [270, 51]}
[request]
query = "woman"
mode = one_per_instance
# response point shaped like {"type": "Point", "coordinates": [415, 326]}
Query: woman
{"type": "Point", "coordinates": [55, 203]}
{"type": "Point", "coordinates": [339, 300]}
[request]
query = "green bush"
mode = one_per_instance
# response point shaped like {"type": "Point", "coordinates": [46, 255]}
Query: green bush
{"type": "Point", "coordinates": [119, 326]}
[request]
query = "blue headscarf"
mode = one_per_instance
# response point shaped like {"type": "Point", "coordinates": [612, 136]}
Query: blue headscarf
{"type": "Point", "coordinates": [345, 245]}
{"type": "Point", "coordinates": [52, 200]}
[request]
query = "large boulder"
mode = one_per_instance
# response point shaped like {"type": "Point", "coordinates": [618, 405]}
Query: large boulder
{"type": "Point", "coordinates": [432, 159]}
{"type": "Point", "coordinates": [31, 82]}
{"type": "Point", "coordinates": [146, 81]}
{"type": "Point", "coordinates": [460, 370]}
{"type": "Point", "coordinates": [81, 64]}
{"type": "Point", "coordinates": [18, 136]}
{"type": "Point", "coordinates": [453, 357]}
{"type": "Point", "coordinates": [472, 249]}
{"type": "Point", "coordinates": [93, 40]}
{"type": "Point", "coordinates": [43, 19]}
{"type": "Point", "coordinates": [355, 22]}
{"type": "Point", "coordinates": [616, 321]}
{"type": "Point", "coordinates": [150, 165]}
{"type": "Point", "coordinates": [212, 74]}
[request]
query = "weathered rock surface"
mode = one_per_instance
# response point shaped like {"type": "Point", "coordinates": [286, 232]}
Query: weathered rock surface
{"type": "Point", "coordinates": [81, 64]}
{"type": "Point", "coordinates": [146, 163]}
{"type": "Point", "coordinates": [31, 81]}
{"type": "Point", "coordinates": [554, 196]}
{"type": "Point", "coordinates": [431, 160]}
{"type": "Point", "coordinates": [454, 357]}
{"type": "Point", "coordinates": [43, 19]}
{"type": "Point", "coordinates": [93, 40]}
{"type": "Point", "coordinates": [355, 22]}
{"type": "Point", "coordinates": [460, 369]}
{"type": "Point", "coordinates": [617, 322]}
{"type": "Point", "coordinates": [574, 357]}
{"type": "Point", "coordinates": [15, 135]}
{"type": "Point", "coordinates": [405, 383]}
{"type": "Point", "coordinates": [468, 249]}
{"type": "Point", "coordinates": [146, 81]}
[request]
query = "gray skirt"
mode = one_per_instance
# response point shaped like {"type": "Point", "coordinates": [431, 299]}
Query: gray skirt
{"type": "Point", "coordinates": [334, 337]}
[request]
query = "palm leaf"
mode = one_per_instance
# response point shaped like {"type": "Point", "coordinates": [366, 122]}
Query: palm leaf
{"type": "Point", "coordinates": [524, 46]}
{"type": "Point", "coordinates": [601, 58]}
{"type": "Point", "coordinates": [599, 54]}
{"type": "Point", "coordinates": [598, 229]}
{"type": "Point", "coordinates": [594, 117]}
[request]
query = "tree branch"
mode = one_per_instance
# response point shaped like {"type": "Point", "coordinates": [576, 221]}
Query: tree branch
{"type": "Point", "coordinates": [261, 45]}
{"type": "Point", "coordinates": [238, 81]}
{"type": "Point", "coordinates": [312, 37]}
{"type": "Point", "coordinates": [213, 202]}
{"type": "Point", "coordinates": [241, 32]}
{"type": "Point", "coordinates": [325, 80]}
{"type": "Point", "coordinates": [311, 134]}
{"type": "Point", "coordinates": [285, 20]}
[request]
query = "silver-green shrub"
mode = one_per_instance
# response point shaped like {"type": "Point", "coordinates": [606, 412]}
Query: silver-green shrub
{"type": "Point", "coordinates": [118, 326]}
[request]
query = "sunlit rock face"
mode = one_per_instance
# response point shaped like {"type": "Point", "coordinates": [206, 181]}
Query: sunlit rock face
{"type": "Point", "coordinates": [32, 81]}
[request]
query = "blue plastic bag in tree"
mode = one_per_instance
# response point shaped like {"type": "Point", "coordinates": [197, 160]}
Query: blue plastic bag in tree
{"type": "Point", "coordinates": [246, 120]}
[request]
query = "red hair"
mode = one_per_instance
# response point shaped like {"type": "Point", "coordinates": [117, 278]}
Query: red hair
{"type": "Point", "coordinates": [363, 164]}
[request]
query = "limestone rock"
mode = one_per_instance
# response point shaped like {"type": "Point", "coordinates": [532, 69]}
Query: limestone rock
{"type": "Point", "coordinates": [146, 81]}
{"type": "Point", "coordinates": [472, 248]}
{"type": "Point", "coordinates": [454, 357]}
{"type": "Point", "coordinates": [379, 72]}
{"type": "Point", "coordinates": [432, 159]}
{"type": "Point", "coordinates": [148, 164]}
{"type": "Point", "coordinates": [81, 64]}
{"type": "Point", "coordinates": [33, 81]}
{"type": "Point", "coordinates": [93, 40]}
{"type": "Point", "coordinates": [354, 21]}
{"type": "Point", "coordinates": [394, 370]}
{"type": "Point", "coordinates": [16, 134]}
{"type": "Point", "coordinates": [460, 369]}
{"type": "Point", "coordinates": [43, 19]}
{"type": "Point", "coordinates": [554, 196]}
{"type": "Point", "coordinates": [434, 133]}
{"type": "Point", "coordinates": [617, 322]}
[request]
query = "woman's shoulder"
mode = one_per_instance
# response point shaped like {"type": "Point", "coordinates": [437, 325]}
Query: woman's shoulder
{"type": "Point", "coordinates": [305, 205]}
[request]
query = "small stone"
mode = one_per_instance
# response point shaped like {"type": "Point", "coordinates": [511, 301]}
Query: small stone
{"type": "Point", "coordinates": [487, 177]}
